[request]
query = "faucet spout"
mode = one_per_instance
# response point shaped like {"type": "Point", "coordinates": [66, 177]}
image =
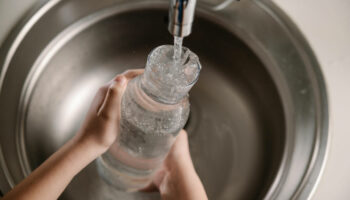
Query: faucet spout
{"type": "Point", "coordinates": [181, 13]}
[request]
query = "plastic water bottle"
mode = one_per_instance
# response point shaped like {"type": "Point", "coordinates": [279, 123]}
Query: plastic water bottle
{"type": "Point", "coordinates": [155, 107]}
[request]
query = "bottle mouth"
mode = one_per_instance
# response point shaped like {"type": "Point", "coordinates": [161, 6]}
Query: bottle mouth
{"type": "Point", "coordinates": [170, 79]}
{"type": "Point", "coordinates": [190, 58]}
{"type": "Point", "coordinates": [182, 72]}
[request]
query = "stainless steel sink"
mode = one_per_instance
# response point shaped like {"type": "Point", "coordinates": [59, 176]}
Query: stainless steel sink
{"type": "Point", "coordinates": [258, 126]}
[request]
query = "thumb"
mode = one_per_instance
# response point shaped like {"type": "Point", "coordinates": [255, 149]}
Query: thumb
{"type": "Point", "coordinates": [110, 108]}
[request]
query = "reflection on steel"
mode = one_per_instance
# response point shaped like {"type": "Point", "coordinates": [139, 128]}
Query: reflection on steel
{"type": "Point", "coordinates": [259, 115]}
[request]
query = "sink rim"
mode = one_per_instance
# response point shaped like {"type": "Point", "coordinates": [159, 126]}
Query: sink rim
{"type": "Point", "coordinates": [317, 163]}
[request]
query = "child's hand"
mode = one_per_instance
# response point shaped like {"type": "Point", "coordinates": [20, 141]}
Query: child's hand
{"type": "Point", "coordinates": [101, 126]}
{"type": "Point", "coordinates": [178, 179]}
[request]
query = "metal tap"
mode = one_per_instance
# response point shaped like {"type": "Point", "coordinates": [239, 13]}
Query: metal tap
{"type": "Point", "coordinates": [181, 14]}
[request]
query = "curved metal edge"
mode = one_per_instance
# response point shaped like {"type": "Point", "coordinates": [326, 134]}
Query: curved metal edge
{"type": "Point", "coordinates": [5, 170]}
{"type": "Point", "coordinates": [289, 26]}
{"type": "Point", "coordinates": [29, 84]}
{"type": "Point", "coordinates": [39, 66]}
{"type": "Point", "coordinates": [258, 48]}
{"type": "Point", "coordinates": [10, 51]}
{"type": "Point", "coordinates": [22, 29]}
{"type": "Point", "coordinates": [319, 157]}
{"type": "Point", "coordinates": [223, 5]}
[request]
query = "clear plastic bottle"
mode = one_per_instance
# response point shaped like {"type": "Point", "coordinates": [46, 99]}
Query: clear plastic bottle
{"type": "Point", "coordinates": [155, 108]}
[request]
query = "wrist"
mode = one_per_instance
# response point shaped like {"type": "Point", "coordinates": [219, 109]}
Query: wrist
{"type": "Point", "coordinates": [93, 148]}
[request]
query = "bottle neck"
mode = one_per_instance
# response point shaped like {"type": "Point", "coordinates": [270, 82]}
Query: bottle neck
{"type": "Point", "coordinates": [137, 92]}
{"type": "Point", "coordinates": [164, 93]}
{"type": "Point", "coordinates": [168, 79]}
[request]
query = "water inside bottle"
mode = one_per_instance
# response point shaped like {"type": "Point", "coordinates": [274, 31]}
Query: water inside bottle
{"type": "Point", "coordinates": [174, 65]}
{"type": "Point", "coordinates": [148, 127]}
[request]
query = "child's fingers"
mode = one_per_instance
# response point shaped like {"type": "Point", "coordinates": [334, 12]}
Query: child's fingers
{"type": "Point", "coordinates": [179, 152]}
{"type": "Point", "coordinates": [181, 141]}
{"type": "Point", "coordinates": [99, 99]}
{"type": "Point", "coordinates": [130, 74]}
{"type": "Point", "coordinates": [111, 104]}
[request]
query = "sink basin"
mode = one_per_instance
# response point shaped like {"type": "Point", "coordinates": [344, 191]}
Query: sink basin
{"type": "Point", "coordinates": [258, 127]}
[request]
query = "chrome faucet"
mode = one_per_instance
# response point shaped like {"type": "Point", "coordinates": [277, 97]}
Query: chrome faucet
{"type": "Point", "coordinates": [181, 13]}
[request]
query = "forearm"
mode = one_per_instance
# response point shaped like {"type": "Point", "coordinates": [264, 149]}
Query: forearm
{"type": "Point", "coordinates": [98, 132]}
{"type": "Point", "coordinates": [50, 179]}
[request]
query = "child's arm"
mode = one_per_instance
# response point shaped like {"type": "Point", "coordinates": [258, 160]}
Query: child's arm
{"type": "Point", "coordinates": [99, 131]}
{"type": "Point", "coordinates": [177, 179]}
{"type": "Point", "coordinates": [50, 179]}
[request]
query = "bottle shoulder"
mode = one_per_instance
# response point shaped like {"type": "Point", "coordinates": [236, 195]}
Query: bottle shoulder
{"type": "Point", "coordinates": [152, 117]}
{"type": "Point", "coordinates": [134, 92]}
